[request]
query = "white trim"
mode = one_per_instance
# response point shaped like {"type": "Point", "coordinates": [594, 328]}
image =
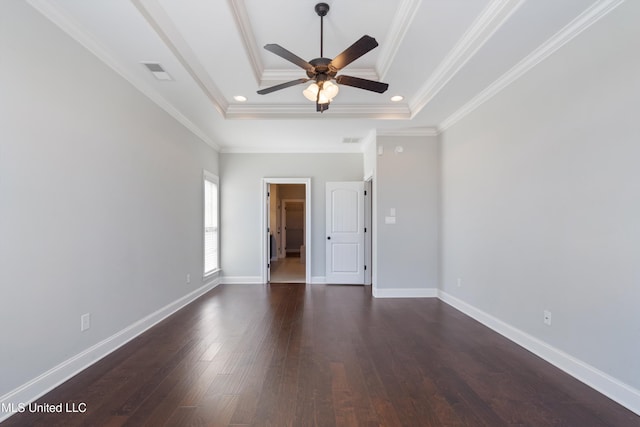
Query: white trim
{"type": "Point", "coordinates": [616, 390]}
{"type": "Point", "coordinates": [273, 76]}
{"type": "Point", "coordinates": [587, 18]}
{"type": "Point", "coordinates": [280, 149]}
{"type": "Point", "coordinates": [401, 23]}
{"type": "Point", "coordinates": [307, 111]}
{"type": "Point", "coordinates": [318, 280]}
{"type": "Point", "coordinates": [242, 280]}
{"type": "Point", "coordinates": [159, 20]}
{"type": "Point", "coordinates": [374, 222]}
{"type": "Point", "coordinates": [239, 10]}
{"type": "Point", "coordinates": [307, 223]}
{"type": "Point", "coordinates": [42, 384]}
{"type": "Point", "coordinates": [420, 131]}
{"type": "Point", "coordinates": [82, 36]}
{"type": "Point", "coordinates": [494, 15]}
{"type": "Point", "coordinates": [399, 26]}
{"type": "Point", "coordinates": [213, 178]}
{"type": "Point", "coordinates": [368, 226]}
{"type": "Point", "coordinates": [405, 293]}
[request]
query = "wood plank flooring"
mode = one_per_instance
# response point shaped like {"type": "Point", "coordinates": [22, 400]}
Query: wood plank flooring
{"type": "Point", "coordinates": [287, 270]}
{"type": "Point", "coordinates": [315, 355]}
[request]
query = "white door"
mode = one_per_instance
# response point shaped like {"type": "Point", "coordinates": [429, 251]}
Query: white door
{"type": "Point", "coordinates": [345, 232]}
{"type": "Point", "coordinates": [267, 210]}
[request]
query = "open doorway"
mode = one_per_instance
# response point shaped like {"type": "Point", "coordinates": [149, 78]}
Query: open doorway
{"type": "Point", "coordinates": [288, 261]}
{"type": "Point", "coordinates": [287, 219]}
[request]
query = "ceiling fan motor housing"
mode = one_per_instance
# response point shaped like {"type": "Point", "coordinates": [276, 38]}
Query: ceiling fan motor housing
{"type": "Point", "coordinates": [321, 67]}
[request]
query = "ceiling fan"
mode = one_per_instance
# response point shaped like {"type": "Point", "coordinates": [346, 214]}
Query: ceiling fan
{"type": "Point", "coordinates": [323, 70]}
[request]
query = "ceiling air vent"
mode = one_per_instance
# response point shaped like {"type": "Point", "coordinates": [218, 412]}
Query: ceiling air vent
{"type": "Point", "coordinates": [157, 70]}
{"type": "Point", "coordinates": [351, 140]}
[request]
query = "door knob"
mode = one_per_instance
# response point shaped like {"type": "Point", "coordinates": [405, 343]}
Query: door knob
{"type": "Point", "coordinates": [328, 237]}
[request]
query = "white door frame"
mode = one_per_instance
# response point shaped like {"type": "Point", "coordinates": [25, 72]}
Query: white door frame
{"type": "Point", "coordinates": [307, 224]}
{"type": "Point", "coordinates": [368, 223]}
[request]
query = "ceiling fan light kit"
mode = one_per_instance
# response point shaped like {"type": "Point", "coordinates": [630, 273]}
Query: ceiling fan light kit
{"type": "Point", "coordinates": [323, 70]}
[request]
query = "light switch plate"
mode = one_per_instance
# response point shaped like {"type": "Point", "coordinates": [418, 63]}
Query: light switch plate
{"type": "Point", "coordinates": [390, 220]}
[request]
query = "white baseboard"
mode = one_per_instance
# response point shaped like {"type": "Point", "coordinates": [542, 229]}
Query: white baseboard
{"type": "Point", "coordinates": [57, 375]}
{"type": "Point", "coordinates": [242, 280]}
{"type": "Point", "coordinates": [616, 390]}
{"type": "Point", "coordinates": [405, 293]}
{"type": "Point", "coordinates": [318, 280]}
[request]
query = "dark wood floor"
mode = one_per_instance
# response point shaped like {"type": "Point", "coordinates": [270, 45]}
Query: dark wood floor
{"type": "Point", "coordinates": [296, 355]}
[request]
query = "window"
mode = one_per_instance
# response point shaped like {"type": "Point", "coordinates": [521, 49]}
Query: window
{"type": "Point", "coordinates": [211, 253]}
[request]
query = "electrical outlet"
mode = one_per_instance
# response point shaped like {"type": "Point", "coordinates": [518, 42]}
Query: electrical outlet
{"type": "Point", "coordinates": [188, 278]}
{"type": "Point", "coordinates": [547, 317]}
{"type": "Point", "coordinates": [85, 322]}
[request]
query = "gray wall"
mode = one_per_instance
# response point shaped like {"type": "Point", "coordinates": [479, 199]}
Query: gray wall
{"type": "Point", "coordinates": [100, 199]}
{"type": "Point", "coordinates": [541, 209]}
{"type": "Point", "coordinates": [408, 251]}
{"type": "Point", "coordinates": [241, 194]}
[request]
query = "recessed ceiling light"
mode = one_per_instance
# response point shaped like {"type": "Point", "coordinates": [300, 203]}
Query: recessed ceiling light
{"type": "Point", "coordinates": [240, 98]}
{"type": "Point", "coordinates": [397, 98]}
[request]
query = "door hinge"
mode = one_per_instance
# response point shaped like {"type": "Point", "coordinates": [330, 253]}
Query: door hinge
{"type": "Point", "coordinates": [365, 229]}
{"type": "Point", "coordinates": [268, 265]}
{"type": "Point", "coordinates": [365, 267]}
{"type": "Point", "coordinates": [268, 194]}
{"type": "Point", "coordinates": [365, 192]}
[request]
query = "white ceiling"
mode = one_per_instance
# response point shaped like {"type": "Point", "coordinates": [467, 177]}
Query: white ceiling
{"type": "Point", "coordinates": [444, 56]}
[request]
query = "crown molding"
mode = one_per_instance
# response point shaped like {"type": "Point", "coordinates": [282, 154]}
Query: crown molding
{"type": "Point", "coordinates": [158, 19]}
{"type": "Point", "coordinates": [590, 16]}
{"type": "Point", "coordinates": [264, 77]}
{"type": "Point", "coordinates": [241, 16]}
{"type": "Point", "coordinates": [399, 26]}
{"type": "Point", "coordinates": [421, 131]}
{"type": "Point", "coordinates": [291, 149]}
{"type": "Point", "coordinates": [494, 15]}
{"type": "Point", "coordinates": [307, 111]}
{"type": "Point", "coordinates": [67, 24]}
{"type": "Point", "coordinates": [274, 76]}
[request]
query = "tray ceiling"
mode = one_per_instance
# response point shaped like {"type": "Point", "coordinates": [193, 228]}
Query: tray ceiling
{"type": "Point", "coordinates": [444, 57]}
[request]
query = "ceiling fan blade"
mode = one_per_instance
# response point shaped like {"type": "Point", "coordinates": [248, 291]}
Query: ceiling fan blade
{"type": "Point", "coordinates": [362, 83]}
{"type": "Point", "coordinates": [282, 86]}
{"type": "Point", "coordinates": [291, 57]}
{"type": "Point", "coordinates": [353, 52]}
